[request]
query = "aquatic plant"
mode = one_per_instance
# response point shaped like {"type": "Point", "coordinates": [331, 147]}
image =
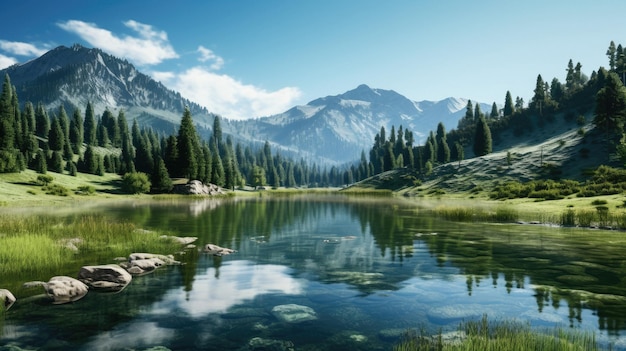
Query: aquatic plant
{"type": "Point", "coordinates": [477, 214]}
{"type": "Point", "coordinates": [483, 335]}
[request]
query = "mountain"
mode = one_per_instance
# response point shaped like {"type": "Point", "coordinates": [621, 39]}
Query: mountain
{"type": "Point", "coordinates": [337, 128]}
{"type": "Point", "coordinates": [75, 75]}
{"type": "Point", "coordinates": [333, 129]}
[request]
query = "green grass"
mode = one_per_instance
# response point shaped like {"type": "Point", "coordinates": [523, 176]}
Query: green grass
{"type": "Point", "coordinates": [500, 336]}
{"type": "Point", "coordinates": [504, 214]}
{"type": "Point", "coordinates": [38, 247]}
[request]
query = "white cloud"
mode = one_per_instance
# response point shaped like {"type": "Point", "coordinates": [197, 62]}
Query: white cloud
{"type": "Point", "coordinates": [207, 54]}
{"type": "Point", "coordinates": [227, 96]}
{"type": "Point", "coordinates": [150, 47]}
{"type": "Point", "coordinates": [6, 61]}
{"type": "Point", "coordinates": [20, 48]}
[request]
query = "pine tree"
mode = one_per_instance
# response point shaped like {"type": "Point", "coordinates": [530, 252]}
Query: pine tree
{"type": "Point", "coordinates": [508, 104]}
{"type": "Point", "coordinates": [258, 177]}
{"type": "Point", "coordinates": [40, 162]}
{"type": "Point", "coordinates": [90, 161]}
{"type": "Point", "coordinates": [90, 125]}
{"type": "Point", "coordinates": [610, 113]}
{"type": "Point", "coordinates": [56, 162]}
{"type": "Point", "coordinates": [42, 121]}
{"type": "Point", "coordinates": [17, 121]}
{"type": "Point", "coordinates": [611, 53]}
{"type": "Point", "coordinates": [161, 181]}
{"type": "Point", "coordinates": [7, 115]}
{"type": "Point", "coordinates": [570, 79]}
{"type": "Point", "coordinates": [30, 143]}
{"type": "Point", "coordinates": [109, 122]}
{"type": "Point", "coordinates": [478, 112]}
{"type": "Point", "coordinates": [55, 136]}
{"type": "Point", "coordinates": [539, 99]}
{"type": "Point", "coordinates": [217, 132]}
{"type": "Point", "coordinates": [188, 146]}
{"type": "Point", "coordinates": [556, 90]}
{"type": "Point", "coordinates": [76, 131]}
{"type": "Point", "coordinates": [494, 111]}
{"type": "Point", "coordinates": [443, 150]}
{"type": "Point", "coordinates": [102, 135]}
{"type": "Point", "coordinates": [482, 138]}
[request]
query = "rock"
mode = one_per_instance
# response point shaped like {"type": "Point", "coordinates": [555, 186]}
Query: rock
{"type": "Point", "coordinates": [62, 289]}
{"type": "Point", "coordinates": [109, 277]}
{"type": "Point", "coordinates": [270, 345]}
{"type": "Point", "coordinates": [217, 250]}
{"type": "Point", "coordinates": [195, 187]}
{"type": "Point", "coordinates": [167, 259]}
{"type": "Point", "coordinates": [143, 263]}
{"type": "Point", "coordinates": [292, 313]}
{"type": "Point", "coordinates": [393, 334]}
{"type": "Point", "coordinates": [184, 241]}
{"type": "Point", "coordinates": [72, 243]}
{"type": "Point", "coordinates": [6, 298]}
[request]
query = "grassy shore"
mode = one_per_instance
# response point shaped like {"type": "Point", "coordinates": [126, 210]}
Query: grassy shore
{"type": "Point", "coordinates": [484, 335]}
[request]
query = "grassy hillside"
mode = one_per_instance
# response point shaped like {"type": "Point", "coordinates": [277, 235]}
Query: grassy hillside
{"type": "Point", "coordinates": [23, 189]}
{"type": "Point", "coordinates": [561, 149]}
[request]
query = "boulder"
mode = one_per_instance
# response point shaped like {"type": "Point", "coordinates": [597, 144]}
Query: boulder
{"type": "Point", "coordinates": [6, 298]}
{"type": "Point", "coordinates": [62, 289]}
{"type": "Point", "coordinates": [292, 313]}
{"type": "Point", "coordinates": [108, 277]}
{"type": "Point", "coordinates": [143, 263]}
{"type": "Point", "coordinates": [195, 187]}
{"type": "Point", "coordinates": [166, 259]}
{"type": "Point", "coordinates": [217, 250]}
{"type": "Point", "coordinates": [184, 240]}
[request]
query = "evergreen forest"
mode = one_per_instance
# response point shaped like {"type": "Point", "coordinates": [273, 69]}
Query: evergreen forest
{"type": "Point", "coordinates": [79, 141]}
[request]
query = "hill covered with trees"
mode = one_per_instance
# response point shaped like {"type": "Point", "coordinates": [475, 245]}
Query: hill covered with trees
{"type": "Point", "coordinates": [33, 138]}
{"type": "Point", "coordinates": [582, 118]}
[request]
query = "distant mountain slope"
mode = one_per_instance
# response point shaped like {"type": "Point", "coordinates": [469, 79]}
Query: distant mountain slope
{"type": "Point", "coordinates": [332, 129]}
{"type": "Point", "coordinates": [75, 75]}
{"type": "Point", "coordinates": [337, 128]}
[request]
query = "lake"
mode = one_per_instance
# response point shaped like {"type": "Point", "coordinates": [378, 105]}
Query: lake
{"type": "Point", "coordinates": [333, 272]}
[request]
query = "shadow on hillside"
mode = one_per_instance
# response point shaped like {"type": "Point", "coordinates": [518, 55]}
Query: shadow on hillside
{"type": "Point", "coordinates": [26, 183]}
{"type": "Point", "coordinates": [113, 187]}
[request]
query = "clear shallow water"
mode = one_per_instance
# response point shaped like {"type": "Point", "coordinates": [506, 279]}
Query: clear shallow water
{"type": "Point", "coordinates": [369, 269]}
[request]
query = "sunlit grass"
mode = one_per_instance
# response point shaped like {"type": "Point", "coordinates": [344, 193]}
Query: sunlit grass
{"type": "Point", "coordinates": [477, 214]}
{"type": "Point", "coordinates": [500, 336]}
{"type": "Point", "coordinates": [38, 247]}
{"type": "Point", "coordinates": [367, 191]}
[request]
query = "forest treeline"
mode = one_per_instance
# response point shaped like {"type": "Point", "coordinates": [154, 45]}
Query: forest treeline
{"type": "Point", "coordinates": [32, 137]}
{"type": "Point", "coordinates": [53, 141]}
{"type": "Point", "coordinates": [476, 130]}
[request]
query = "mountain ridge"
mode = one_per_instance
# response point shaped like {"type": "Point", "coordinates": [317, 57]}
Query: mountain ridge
{"type": "Point", "coordinates": [332, 129]}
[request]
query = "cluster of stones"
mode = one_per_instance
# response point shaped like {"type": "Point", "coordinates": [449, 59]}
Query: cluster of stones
{"type": "Point", "coordinates": [196, 187]}
{"type": "Point", "coordinates": [107, 277]}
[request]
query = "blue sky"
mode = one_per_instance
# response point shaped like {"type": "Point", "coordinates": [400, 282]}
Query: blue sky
{"type": "Point", "coordinates": [252, 58]}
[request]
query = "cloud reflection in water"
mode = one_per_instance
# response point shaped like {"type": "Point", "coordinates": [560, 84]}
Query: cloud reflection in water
{"type": "Point", "coordinates": [237, 282]}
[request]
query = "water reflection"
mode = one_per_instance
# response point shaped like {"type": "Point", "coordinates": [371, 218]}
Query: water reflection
{"type": "Point", "coordinates": [217, 289]}
{"type": "Point", "coordinates": [362, 265]}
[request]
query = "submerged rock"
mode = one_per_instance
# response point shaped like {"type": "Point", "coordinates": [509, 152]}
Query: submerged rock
{"type": "Point", "coordinates": [109, 277]}
{"type": "Point", "coordinates": [6, 298]}
{"type": "Point", "coordinates": [183, 240]}
{"type": "Point", "coordinates": [62, 289]}
{"type": "Point", "coordinates": [292, 313]}
{"type": "Point", "coordinates": [217, 250]}
{"type": "Point", "coordinates": [258, 344]}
